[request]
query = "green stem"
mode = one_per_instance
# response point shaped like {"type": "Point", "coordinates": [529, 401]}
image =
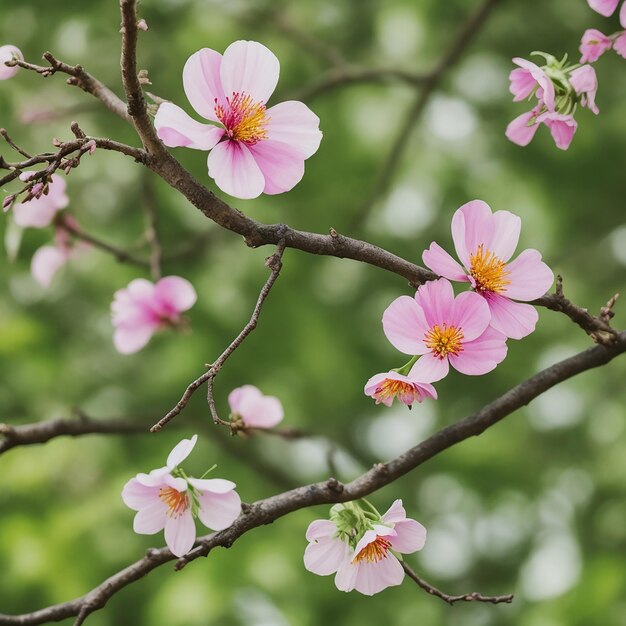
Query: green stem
{"type": "Point", "coordinates": [208, 471]}
{"type": "Point", "coordinates": [405, 369]}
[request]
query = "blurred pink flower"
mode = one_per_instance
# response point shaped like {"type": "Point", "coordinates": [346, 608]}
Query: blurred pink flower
{"type": "Point", "coordinates": [619, 45]}
{"type": "Point", "coordinates": [7, 53]}
{"type": "Point", "coordinates": [593, 45]}
{"type": "Point", "coordinates": [254, 149]}
{"type": "Point", "coordinates": [445, 330]}
{"type": "Point", "coordinates": [253, 408]}
{"type": "Point", "coordinates": [39, 212]}
{"type": "Point", "coordinates": [585, 83]}
{"type": "Point", "coordinates": [387, 386]}
{"type": "Point", "coordinates": [528, 77]}
{"type": "Point", "coordinates": [164, 499]}
{"type": "Point", "coordinates": [143, 307]}
{"type": "Point", "coordinates": [607, 8]}
{"type": "Point", "coordinates": [485, 241]}
{"type": "Point", "coordinates": [370, 565]}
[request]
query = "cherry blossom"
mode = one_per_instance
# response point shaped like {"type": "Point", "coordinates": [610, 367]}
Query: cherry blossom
{"type": "Point", "coordinates": [253, 409]}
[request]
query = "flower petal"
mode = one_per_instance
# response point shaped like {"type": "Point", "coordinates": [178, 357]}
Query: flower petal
{"type": "Point", "coordinates": [471, 314]}
{"type": "Point", "coordinates": [372, 578]}
{"type": "Point", "coordinates": [604, 7]}
{"type": "Point", "coordinates": [440, 262]}
{"type": "Point", "coordinates": [522, 129]}
{"type": "Point", "coordinates": [405, 326]}
{"type": "Point", "coordinates": [410, 536]}
{"type": "Point", "coordinates": [530, 277]}
{"type": "Point", "coordinates": [214, 485]}
{"type": "Point", "coordinates": [6, 54]}
{"type": "Point", "coordinates": [250, 68]}
{"type": "Point", "coordinates": [128, 340]}
{"type": "Point", "coordinates": [281, 164]}
{"type": "Point", "coordinates": [263, 412]}
{"type": "Point", "coordinates": [236, 396]}
{"type": "Point", "coordinates": [481, 355]}
{"type": "Point", "coordinates": [514, 319]}
{"type": "Point", "coordinates": [202, 82]}
{"type": "Point", "coordinates": [321, 529]}
{"type": "Point", "coordinates": [46, 262]}
{"type": "Point", "coordinates": [326, 556]}
{"type": "Point", "coordinates": [151, 519]}
{"type": "Point", "coordinates": [180, 533]}
{"type": "Point", "coordinates": [436, 299]}
{"type": "Point", "coordinates": [180, 452]}
{"type": "Point", "coordinates": [395, 513]}
{"type": "Point", "coordinates": [431, 367]}
{"type": "Point", "coordinates": [137, 496]}
{"type": "Point", "coordinates": [234, 170]}
{"type": "Point", "coordinates": [505, 237]}
{"type": "Point", "coordinates": [293, 123]}
{"type": "Point", "coordinates": [176, 129]}
{"type": "Point", "coordinates": [219, 510]}
{"type": "Point", "coordinates": [177, 292]}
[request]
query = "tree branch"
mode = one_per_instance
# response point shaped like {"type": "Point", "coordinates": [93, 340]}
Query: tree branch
{"type": "Point", "coordinates": [331, 491]}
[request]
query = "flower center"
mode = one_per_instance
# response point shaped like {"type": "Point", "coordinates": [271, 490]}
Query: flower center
{"type": "Point", "coordinates": [373, 552]}
{"type": "Point", "coordinates": [389, 388]}
{"type": "Point", "coordinates": [177, 501]}
{"type": "Point", "coordinates": [244, 119]}
{"type": "Point", "coordinates": [488, 271]}
{"type": "Point", "coordinates": [444, 340]}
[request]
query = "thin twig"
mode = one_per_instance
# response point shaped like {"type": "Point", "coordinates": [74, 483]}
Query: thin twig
{"type": "Point", "coordinates": [466, 597]}
{"type": "Point", "coordinates": [5, 135]}
{"type": "Point", "coordinates": [152, 235]}
{"type": "Point", "coordinates": [274, 262]}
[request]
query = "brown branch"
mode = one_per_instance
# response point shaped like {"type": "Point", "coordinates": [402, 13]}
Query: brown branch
{"type": "Point", "coordinates": [466, 597]}
{"type": "Point", "coordinates": [331, 491]}
{"type": "Point", "coordinates": [152, 235]}
{"type": "Point", "coordinates": [5, 135]}
{"type": "Point", "coordinates": [430, 83]}
{"type": "Point", "coordinates": [274, 263]}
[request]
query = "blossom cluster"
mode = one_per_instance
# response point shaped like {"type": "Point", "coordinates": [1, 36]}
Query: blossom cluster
{"type": "Point", "coordinates": [595, 43]}
{"type": "Point", "coordinates": [469, 331]}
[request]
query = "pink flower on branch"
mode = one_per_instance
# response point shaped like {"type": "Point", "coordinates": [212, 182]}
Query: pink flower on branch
{"type": "Point", "coordinates": [255, 410]}
{"type": "Point", "coordinates": [593, 45]}
{"type": "Point", "coordinates": [167, 499]}
{"type": "Point", "coordinates": [8, 53]}
{"type": "Point", "coordinates": [358, 546]}
{"type": "Point", "coordinates": [40, 211]}
{"type": "Point", "coordinates": [143, 308]}
{"type": "Point", "coordinates": [254, 149]}
{"type": "Point", "coordinates": [445, 330]}
{"type": "Point", "coordinates": [529, 78]}
{"type": "Point", "coordinates": [408, 389]}
{"type": "Point", "coordinates": [485, 243]}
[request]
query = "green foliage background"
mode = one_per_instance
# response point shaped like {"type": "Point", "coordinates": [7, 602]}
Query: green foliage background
{"type": "Point", "coordinates": [534, 506]}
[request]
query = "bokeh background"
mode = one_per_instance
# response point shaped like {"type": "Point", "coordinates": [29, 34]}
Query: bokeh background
{"type": "Point", "coordinates": [534, 506]}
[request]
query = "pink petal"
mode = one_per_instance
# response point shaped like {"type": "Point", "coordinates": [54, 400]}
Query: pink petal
{"type": "Point", "coordinates": [604, 7]}
{"type": "Point", "coordinates": [176, 129]}
{"type": "Point", "coordinates": [326, 556]}
{"type": "Point", "coordinates": [620, 45]}
{"type": "Point", "coordinates": [440, 262]}
{"type": "Point", "coordinates": [219, 510]}
{"type": "Point", "coordinates": [514, 319]}
{"type": "Point", "coordinates": [293, 123]}
{"type": "Point", "coordinates": [45, 263]}
{"type": "Point", "coordinates": [130, 340]}
{"type": "Point", "coordinates": [202, 82]}
{"type": "Point", "coordinates": [39, 212]}
{"type": "Point", "coordinates": [137, 496]}
{"type": "Point", "coordinates": [410, 536]}
{"type": "Point", "coordinates": [345, 580]}
{"type": "Point", "coordinates": [180, 533]}
{"type": "Point", "coordinates": [562, 128]}
{"type": "Point", "coordinates": [281, 165]}
{"type": "Point", "coordinates": [152, 518]}
{"type": "Point", "coordinates": [522, 129]}
{"type": "Point", "coordinates": [481, 355]}
{"type": "Point", "coordinates": [544, 82]}
{"type": "Point", "coordinates": [234, 170]}
{"type": "Point", "coordinates": [6, 54]}
{"type": "Point", "coordinates": [180, 452]}
{"type": "Point", "coordinates": [471, 314]}
{"type": "Point", "coordinates": [530, 277]}
{"type": "Point", "coordinates": [371, 535]}
{"type": "Point", "coordinates": [156, 478]}
{"type": "Point", "coordinates": [522, 84]}
{"type": "Point", "coordinates": [507, 227]}
{"type": "Point", "coordinates": [593, 45]}
{"type": "Point", "coordinates": [405, 326]}
{"type": "Point", "coordinates": [432, 368]}
{"type": "Point", "coordinates": [423, 372]}
{"type": "Point", "coordinates": [236, 396]}
{"type": "Point", "coordinates": [178, 293]}
{"type": "Point", "coordinates": [213, 485]}
{"type": "Point", "coordinates": [321, 529]}
{"type": "Point", "coordinates": [372, 578]}
{"type": "Point", "coordinates": [395, 513]}
{"type": "Point", "coordinates": [622, 15]}
{"type": "Point", "coordinates": [436, 298]}
{"type": "Point", "coordinates": [263, 412]}
{"type": "Point", "coordinates": [248, 67]}
{"type": "Point", "coordinates": [472, 225]}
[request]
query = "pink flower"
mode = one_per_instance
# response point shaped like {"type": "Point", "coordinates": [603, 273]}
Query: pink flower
{"type": "Point", "coordinates": [619, 45]}
{"type": "Point", "coordinates": [585, 83]}
{"type": "Point", "coordinates": [593, 45]}
{"type": "Point", "coordinates": [255, 410]}
{"type": "Point", "coordinates": [254, 149]}
{"type": "Point", "coordinates": [529, 77]}
{"type": "Point", "coordinates": [485, 241]}
{"type": "Point", "coordinates": [39, 212]}
{"type": "Point", "coordinates": [164, 499]}
{"type": "Point", "coordinates": [370, 565]}
{"type": "Point", "coordinates": [144, 307]}
{"type": "Point", "coordinates": [8, 53]}
{"type": "Point", "coordinates": [446, 330]}
{"type": "Point", "coordinates": [607, 8]}
{"type": "Point", "coordinates": [385, 387]}
{"type": "Point", "coordinates": [523, 128]}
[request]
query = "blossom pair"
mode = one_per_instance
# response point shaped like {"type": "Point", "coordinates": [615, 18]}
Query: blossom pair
{"type": "Point", "coordinates": [253, 149]}
{"type": "Point", "coordinates": [170, 500]}
{"type": "Point", "coordinates": [469, 331]}
{"type": "Point", "coordinates": [558, 89]}
{"type": "Point", "coordinates": [360, 546]}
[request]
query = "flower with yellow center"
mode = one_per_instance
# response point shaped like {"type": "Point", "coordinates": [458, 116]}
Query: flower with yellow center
{"type": "Point", "coordinates": [177, 501]}
{"type": "Point", "coordinates": [444, 340]}
{"type": "Point", "coordinates": [244, 119]}
{"type": "Point", "coordinates": [374, 551]}
{"type": "Point", "coordinates": [488, 271]}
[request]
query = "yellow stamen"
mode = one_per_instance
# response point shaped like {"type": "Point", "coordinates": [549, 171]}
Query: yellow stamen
{"type": "Point", "coordinates": [245, 120]}
{"type": "Point", "coordinates": [391, 388]}
{"type": "Point", "coordinates": [488, 271]}
{"type": "Point", "coordinates": [373, 552]}
{"type": "Point", "coordinates": [177, 501]}
{"type": "Point", "coordinates": [444, 340]}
